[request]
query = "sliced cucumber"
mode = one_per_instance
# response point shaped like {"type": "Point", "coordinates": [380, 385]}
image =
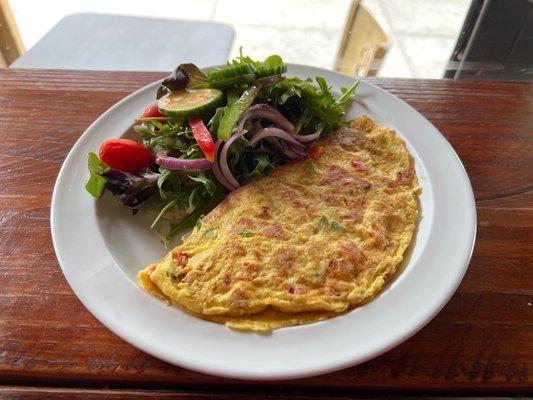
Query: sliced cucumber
{"type": "Point", "coordinates": [231, 76]}
{"type": "Point", "coordinates": [273, 65]}
{"type": "Point", "coordinates": [189, 102]}
{"type": "Point", "coordinates": [269, 71]}
{"type": "Point", "coordinates": [234, 81]}
{"type": "Point", "coordinates": [234, 113]}
{"type": "Point", "coordinates": [230, 71]}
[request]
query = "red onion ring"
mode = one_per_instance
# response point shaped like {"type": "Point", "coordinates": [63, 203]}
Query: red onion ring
{"type": "Point", "coordinates": [274, 132]}
{"type": "Point", "coordinates": [173, 163]}
{"type": "Point", "coordinates": [269, 80]}
{"type": "Point", "coordinates": [266, 112]}
{"type": "Point", "coordinates": [223, 159]}
{"type": "Point", "coordinates": [292, 152]}
{"type": "Point", "coordinates": [310, 137]}
{"type": "Point", "coordinates": [218, 173]}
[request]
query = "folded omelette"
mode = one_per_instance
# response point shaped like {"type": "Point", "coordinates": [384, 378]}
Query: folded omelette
{"type": "Point", "coordinates": [308, 241]}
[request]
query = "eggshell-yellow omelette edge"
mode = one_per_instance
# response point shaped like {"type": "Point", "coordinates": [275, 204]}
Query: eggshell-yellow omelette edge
{"type": "Point", "coordinates": [306, 242]}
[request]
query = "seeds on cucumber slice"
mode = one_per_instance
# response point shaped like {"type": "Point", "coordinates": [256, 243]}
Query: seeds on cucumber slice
{"type": "Point", "coordinates": [189, 102]}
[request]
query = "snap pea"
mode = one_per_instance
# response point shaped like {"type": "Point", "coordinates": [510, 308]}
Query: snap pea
{"type": "Point", "coordinates": [235, 112]}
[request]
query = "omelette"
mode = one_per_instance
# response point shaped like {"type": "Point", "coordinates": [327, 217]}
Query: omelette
{"type": "Point", "coordinates": [308, 241]}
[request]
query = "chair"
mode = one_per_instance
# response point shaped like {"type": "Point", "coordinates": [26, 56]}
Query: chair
{"type": "Point", "coordinates": [364, 43]}
{"type": "Point", "coordinates": [11, 46]}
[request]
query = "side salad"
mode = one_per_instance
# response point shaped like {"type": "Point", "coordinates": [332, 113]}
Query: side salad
{"type": "Point", "coordinates": [210, 132]}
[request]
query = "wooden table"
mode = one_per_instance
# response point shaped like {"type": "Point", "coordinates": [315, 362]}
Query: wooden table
{"type": "Point", "coordinates": [480, 344]}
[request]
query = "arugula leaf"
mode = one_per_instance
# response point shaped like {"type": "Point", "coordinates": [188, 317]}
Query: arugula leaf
{"type": "Point", "coordinates": [214, 122]}
{"type": "Point", "coordinates": [191, 219]}
{"type": "Point", "coordinates": [193, 200]}
{"type": "Point", "coordinates": [171, 180]}
{"type": "Point", "coordinates": [348, 94]}
{"type": "Point", "coordinates": [167, 207]}
{"type": "Point", "coordinates": [262, 164]}
{"type": "Point", "coordinates": [209, 185]}
{"type": "Point", "coordinates": [242, 59]}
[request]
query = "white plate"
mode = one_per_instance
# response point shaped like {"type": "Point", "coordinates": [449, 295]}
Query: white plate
{"type": "Point", "coordinates": [100, 248]}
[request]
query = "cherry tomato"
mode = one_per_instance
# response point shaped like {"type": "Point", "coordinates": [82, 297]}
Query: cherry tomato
{"type": "Point", "coordinates": [152, 111]}
{"type": "Point", "coordinates": [203, 137]}
{"type": "Point", "coordinates": [314, 153]}
{"type": "Point", "coordinates": [125, 155]}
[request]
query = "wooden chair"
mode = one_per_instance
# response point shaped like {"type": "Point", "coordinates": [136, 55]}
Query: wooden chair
{"type": "Point", "coordinates": [364, 43]}
{"type": "Point", "coordinates": [11, 46]}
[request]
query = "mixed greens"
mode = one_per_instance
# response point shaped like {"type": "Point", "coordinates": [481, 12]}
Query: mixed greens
{"type": "Point", "coordinates": [211, 132]}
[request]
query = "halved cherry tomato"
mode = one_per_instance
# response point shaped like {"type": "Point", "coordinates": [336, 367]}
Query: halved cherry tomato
{"type": "Point", "coordinates": [203, 137]}
{"type": "Point", "coordinates": [152, 111]}
{"type": "Point", "coordinates": [314, 153]}
{"type": "Point", "coordinates": [125, 155]}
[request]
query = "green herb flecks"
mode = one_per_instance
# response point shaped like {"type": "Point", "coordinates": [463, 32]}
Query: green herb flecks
{"type": "Point", "coordinates": [176, 277]}
{"type": "Point", "coordinates": [323, 223]}
{"type": "Point", "coordinates": [246, 233]}
{"type": "Point", "coordinates": [210, 234]}
{"type": "Point", "coordinates": [335, 226]}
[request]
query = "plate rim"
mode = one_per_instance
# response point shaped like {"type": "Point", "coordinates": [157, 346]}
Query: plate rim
{"type": "Point", "coordinates": [189, 364]}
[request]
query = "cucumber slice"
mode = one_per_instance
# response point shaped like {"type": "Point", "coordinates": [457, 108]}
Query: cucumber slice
{"type": "Point", "coordinates": [234, 113]}
{"type": "Point", "coordinates": [231, 76]}
{"type": "Point", "coordinates": [234, 81]}
{"type": "Point", "coordinates": [189, 102]}
{"type": "Point", "coordinates": [269, 71]}
{"type": "Point", "coordinates": [230, 71]}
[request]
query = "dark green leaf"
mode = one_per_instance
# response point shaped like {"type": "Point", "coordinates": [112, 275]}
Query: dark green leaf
{"type": "Point", "coordinates": [209, 185]}
{"type": "Point", "coordinates": [214, 122]}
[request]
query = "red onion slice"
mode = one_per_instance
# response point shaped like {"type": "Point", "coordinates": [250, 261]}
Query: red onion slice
{"type": "Point", "coordinates": [266, 112]}
{"type": "Point", "coordinates": [269, 80]}
{"type": "Point", "coordinates": [310, 137]}
{"type": "Point", "coordinates": [293, 152]}
{"type": "Point", "coordinates": [275, 132]}
{"type": "Point", "coordinates": [173, 163]}
{"type": "Point", "coordinates": [223, 159]}
{"type": "Point", "coordinates": [218, 173]}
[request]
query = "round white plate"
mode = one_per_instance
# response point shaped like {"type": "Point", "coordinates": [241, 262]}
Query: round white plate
{"type": "Point", "coordinates": [101, 246]}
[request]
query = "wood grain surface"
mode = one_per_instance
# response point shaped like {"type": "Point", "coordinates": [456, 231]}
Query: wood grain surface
{"type": "Point", "coordinates": [481, 342]}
